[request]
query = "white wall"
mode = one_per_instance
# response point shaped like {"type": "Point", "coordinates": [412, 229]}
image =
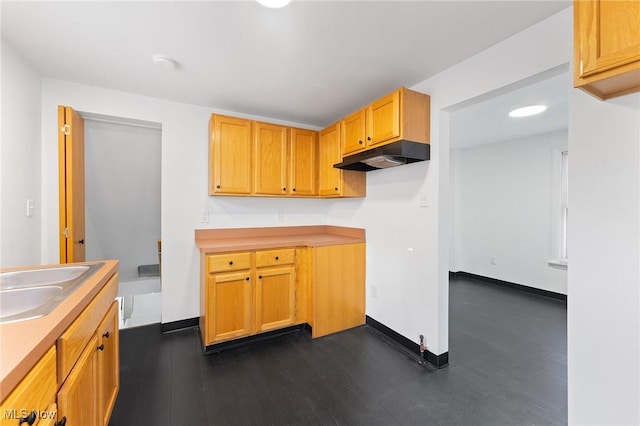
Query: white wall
{"type": "Point", "coordinates": [19, 161]}
{"type": "Point", "coordinates": [604, 270]}
{"type": "Point", "coordinates": [184, 185]}
{"type": "Point", "coordinates": [505, 195]}
{"type": "Point", "coordinates": [122, 194]}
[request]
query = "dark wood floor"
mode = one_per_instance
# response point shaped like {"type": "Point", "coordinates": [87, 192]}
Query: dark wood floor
{"type": "Point", "coordinates": [508, 366]}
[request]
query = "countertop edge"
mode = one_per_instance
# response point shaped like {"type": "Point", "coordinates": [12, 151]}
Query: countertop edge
{"type": "Point", "coordinates": [64, 314]}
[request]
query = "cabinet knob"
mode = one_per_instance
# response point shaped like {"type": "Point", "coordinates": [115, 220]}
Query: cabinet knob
{"type": "Point", "coordinates": [62, 422]}
{"type": "Point", "coordinates": [277, 258]}
{"type": "Point", "coordinates": [231, 263]}
{"type": "Point", "coordinates": [30, 419]}
{"type": "Point", "coordinates": [368, 138]}
{"type": "Point", "coordinates": [247, 278]}
{"type": "Point", "coordinates": [81, 241]}
{"type": "Point", "coordinates": [101, 347]}
{"type": "Point", "coordinates": [106, 335]}
{"type": "Point", "coordinates": [360, 142]}
{"type": "Point", "coordinates": [294, 190]}
{"type": "Point", "coordinates": [336, 188]}
{"type": "Point", "coordinates": [259, 277]}
{"type": "Point", "coordinates": [217, 186]}
{"type": "Point", "coordinates": [284, 189]}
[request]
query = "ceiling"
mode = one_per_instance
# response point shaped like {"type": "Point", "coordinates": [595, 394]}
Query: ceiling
{"type": "Point", "coordinates": [311, 62]}
{"type": "Point", "coordinates": [489, 122]}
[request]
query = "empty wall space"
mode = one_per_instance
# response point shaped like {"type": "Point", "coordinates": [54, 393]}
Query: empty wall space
{"type": "Point", "coordinates": [503, 201]}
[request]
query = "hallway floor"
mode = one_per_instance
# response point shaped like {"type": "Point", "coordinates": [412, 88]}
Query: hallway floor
{"type": "Point", "coordinates": [507, 359]}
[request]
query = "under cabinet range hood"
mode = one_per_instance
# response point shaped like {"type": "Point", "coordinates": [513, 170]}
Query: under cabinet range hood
{"type": "Point", "coordinates": [383, 157]}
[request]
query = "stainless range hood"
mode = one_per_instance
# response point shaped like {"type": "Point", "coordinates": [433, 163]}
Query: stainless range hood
{"type": "Point", "coordinates": [391, 155]}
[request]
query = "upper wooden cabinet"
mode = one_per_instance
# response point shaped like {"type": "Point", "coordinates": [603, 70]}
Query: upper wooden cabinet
{"type": "Point", "coordinates": [303, 150]}
{"type": "Point", "coordinates": [230, 155]}
{"type": "Point", "coordinates": [400, 115]}
{"type": "Point", "coordinates": [270, 159]}
{"type": "Point", "coordinates": [334, 182]}
{"type": "Point", "coordinates": [607, 47]}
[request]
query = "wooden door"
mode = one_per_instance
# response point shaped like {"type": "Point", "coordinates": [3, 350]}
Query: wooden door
{"type": "Point", "coordinates": [275, 298]}
{"type": "Point", "coordinates": [303, 174]}
{"type": "Point", "coordinates": [71, 185]}
{"type": "Point", "coordinates": [329, 153]}
{"type": "Point", "coordinates": [108, 364]}
{"type": "Point", "coordinates": [228, 306]}
{"type": "Point", "coordinates": [353, 132]}
{"type": "Point", "coordinates": [230, 155]}
{"type": "Point", "coordinates": [383, 121]}
{"type": "Point", "coordinates": [608, 34]}
{"type": "Point", "coordinates": [50, 417]}
{"type": "Point", "coordinates": [77, 397]}
{"type": "Point", "coordinates": [270, 151]}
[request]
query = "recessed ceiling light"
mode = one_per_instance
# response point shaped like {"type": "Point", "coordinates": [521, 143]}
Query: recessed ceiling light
{"type": "Point", "coordinates": [527, 111]}
{"type": "Point", "coordinates": [165, 62]}
{"type": "Point", "coordinates": [274, 3]}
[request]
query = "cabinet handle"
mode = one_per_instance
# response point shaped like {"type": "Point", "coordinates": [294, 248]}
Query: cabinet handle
{"type": "Point", "coordinates": [277, 258]}
{"type": "Point", "coordinates": [368, 138]}
{"type": "Point", "coordinates": [101, 347]}
{"type": "Point", "coordinates": [247, 278]}
{"type": "Point", "coordinates": [81, 241]}
{"type": "Point", "coordinates": [259, 277]}
{"type": "Point", "coordinates": [231, 263]}
{"type": "Point", "coordinates": [217, 186]}
{"type": "Point", "coordinates": [284, 189]}
{"type": "Point", "coordinates": [360, 141]}
{"type": "Point", "coordinates": [294, 190]}
{"type": "Point", "coordinates": [30, 419]}
{"type": "Point", "coordinates": [106, 335]}
{"type": "Point", "coordinates": [336, 188]}
{"type": "Point", "coordinates": [62, 422]}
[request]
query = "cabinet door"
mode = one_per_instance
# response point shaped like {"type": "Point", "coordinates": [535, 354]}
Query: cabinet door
{"type": "Point", "coordinates": [330, 153]}
{"type": "Point", "coordinates": [230, 149]}
{"type": "Point", "coordinates": [77, 396]}
{"type": "Point", "coordinates": [49, 418]}
{"type": "Point", "coordinates": [229, 306]}
{"type": "Point", "coordinates": [270, 150]}
{"type": "Point", "coordinates": [108, 364]}
{"type": "Point", "coordinates": [608, 33]}
{"type": "Point", "coordinates": [383, 121]}
{"type": "Point", "coordinates": [303, 162]}
{"type": "Point", "coordinates": [275, 298]}
{"type": "Point", "coordinates": [338, 288]}
{"type": "Point", "coordinates": [353, 132]}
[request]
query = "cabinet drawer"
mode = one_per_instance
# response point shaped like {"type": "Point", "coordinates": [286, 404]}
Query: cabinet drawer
{"type": "Point", "coordinates": [228, 262]}
{"type": "Point", "coordinates": [275, 257]}
{"type": "Point", "coordinates": [75, 338]}
{"type": "Point", "coordinates": [35, 392]}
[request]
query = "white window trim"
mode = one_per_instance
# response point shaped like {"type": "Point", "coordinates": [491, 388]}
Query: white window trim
{"type": "Point", "coordinates": [556, 258]}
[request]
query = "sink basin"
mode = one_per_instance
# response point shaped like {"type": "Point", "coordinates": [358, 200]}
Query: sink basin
{"type": "Point", "coordinates": [34, 293]}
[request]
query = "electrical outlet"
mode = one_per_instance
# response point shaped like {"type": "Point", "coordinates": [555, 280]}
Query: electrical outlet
{"type": "Point", "coordinates": [205, 217]}
{"type": "Point", "coordinates": [30, 207]}
{"type": "Point", "coordinates": [424, 200]}
{"type": "Point", "coordinates": [492, 260]}
{"type": "Point", "coordinates": [280, 215]}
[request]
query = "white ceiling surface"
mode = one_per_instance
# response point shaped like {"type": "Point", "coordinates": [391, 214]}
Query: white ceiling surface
{"type": "Point", "coordinates": [311, 62]}
{"type": "Point", "coordinates": [488, 121]}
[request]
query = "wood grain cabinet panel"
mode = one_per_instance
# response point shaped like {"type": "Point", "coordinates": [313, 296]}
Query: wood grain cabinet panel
{"type": "Point", "coordinates": [354, 132]}
{"type": "Point", "coordinates": [228, 306]}
{"type": "Point", "coordinates": [230, 155]}
{"type": "Point", "coordinates": [35, 392]}
{"type": "Point", "coordinates": [270, 159]}
{"type": "Point", "coordinates": [275, 257]}
{"type": "Point", "coordinates": [228, 262]}
{"type": "Point", "coordinates": [275, 298]}
{"type": "Point", "coordinates": [607, 47]}
{"type": "Point", "coordinates": [336, 182]}
{"type": "Point", "coordinates": [108, 364]}
{"type": "Point", "coordinates": [303, 161]}
{"type": "Point", "coordinates": [384, 119]}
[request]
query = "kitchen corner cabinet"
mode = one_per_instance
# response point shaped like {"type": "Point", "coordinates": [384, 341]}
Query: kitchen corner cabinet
{"type": "Point", "coordinates": [607, 47]}
{"type": "Point", "coordinates": [303, 150]}
{"type": "Point", "coordinates": [34, 396]}
{"type": "Point", "coordinates": [334, 182]}
{"type": "Point", "coordinates": [247, 293]}
{"type": "Point", "coordinates": [400, 115]}
{"type": "Point", "coordinates": [230, 155]}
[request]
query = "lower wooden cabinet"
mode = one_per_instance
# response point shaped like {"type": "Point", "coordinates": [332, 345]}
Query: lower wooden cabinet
{"type": "Point", "coordinates": [245, 293]}
{"type": "Point", "coordinates": [108, 364]}
{"type": "Point", "coordinates": [34, 396]}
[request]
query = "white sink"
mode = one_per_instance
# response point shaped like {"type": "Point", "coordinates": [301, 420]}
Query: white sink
{"type": "Point", "coordinates": [35, 293]}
